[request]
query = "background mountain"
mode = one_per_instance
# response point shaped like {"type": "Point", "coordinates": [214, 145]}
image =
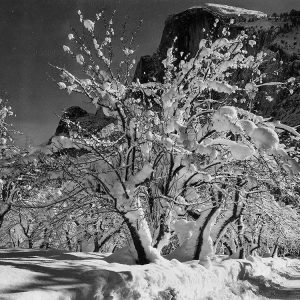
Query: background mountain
{"type": "Point", "coordinates": [87, 120]}
{"type": "Point", "coordinates": [277, 35]}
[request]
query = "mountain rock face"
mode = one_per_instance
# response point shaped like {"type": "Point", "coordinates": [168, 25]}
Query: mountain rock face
{"type": "Point", "coordinates": [71, 120]}
{"type": "Point", "coordinates": [77, 115]}
{"type": "Point", "coordinates": [73, 113]}
{"type": "Point", "coordinates": [278, 36]}
{"type": "Point", "coordinates": [188, 28]}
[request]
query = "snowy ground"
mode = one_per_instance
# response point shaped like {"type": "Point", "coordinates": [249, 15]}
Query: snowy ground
{"type": "Point", "coordinates": [43, 275]}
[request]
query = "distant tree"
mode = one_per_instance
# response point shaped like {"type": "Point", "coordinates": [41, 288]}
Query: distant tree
{"type": "Point", "coordinates": [8, 189]}
{"type": "Point", "coordinates": [275, 16]}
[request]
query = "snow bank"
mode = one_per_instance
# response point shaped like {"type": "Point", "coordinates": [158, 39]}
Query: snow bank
{"type": "Point", "coordinates": [272, 271]}
{"type": "Point", "coordinates": [170, 280]}
{"type": "Point", "coordinates": [41, 295]}
{"type": "Point", "coordinates": [55, 275]}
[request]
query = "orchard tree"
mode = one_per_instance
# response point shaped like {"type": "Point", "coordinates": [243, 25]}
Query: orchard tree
{"type": "Point", "coordinates": [171, 159]}
{"type": "Point", "coordinates": [8, 189]}
{"type": "Point", "coordinates": [19, 176]}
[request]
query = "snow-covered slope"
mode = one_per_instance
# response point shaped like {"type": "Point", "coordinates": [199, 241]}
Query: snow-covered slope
{"type": "Point", "coordinates": [232, 11]}
{"type": "Point", "coordinates": [54, 275]}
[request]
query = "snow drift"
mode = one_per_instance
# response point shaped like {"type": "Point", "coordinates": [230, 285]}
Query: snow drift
{"type": "Point", "coordinates": [57, 275]}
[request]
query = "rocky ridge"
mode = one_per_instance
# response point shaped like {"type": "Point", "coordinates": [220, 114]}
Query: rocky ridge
{"type": "Point", "coordinates": [77, 115]}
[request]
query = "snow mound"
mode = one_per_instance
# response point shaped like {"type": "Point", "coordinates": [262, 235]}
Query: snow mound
{"type": "Point", "coordinates": [248, 126]}
{"type": "Point", "coordinates": [171, 280]}
{"type": "Point", "coordinates": [234, 11]}
{"type": "Point", "coordinates": [41, 295]}
{"type": "Point", "coordinates": [275, 278]}
{"type": "Point", "coordinates": [225, 119]}
{"type": "Point", "coordinates": [36, 275]}
{"type": "Point", "coordinates": [265, 138]}
{"type": "Point", "coordinates": [241, 152]}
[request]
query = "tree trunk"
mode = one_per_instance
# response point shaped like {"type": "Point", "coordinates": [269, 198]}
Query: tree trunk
{"type": "Point", "coordinates": [274, 252]}
{"type": "Point", "coordinates": [96, 241]}
{"type": "Point", "coordinates": [105, 237]}
{"type": "Point", "coordinates": [200, 243]}
{"type": "Point", "coordinates": [8, 193]}
{"type": "Point", "coordinates": [275, 249]}
{"type": "Point", "coordinates": [12, 239]}
{"type": "Point", "coordinates": [27, 232]}
{"type": "Point", "coordinates": [164, 233]}
{"type": "Point", "coordinates": [45, 243]}
{"type": "Point", "coordinates": [142, 257]}
{"type": "Point", "coordinates": [79, 236]}
{"type": "Point", "coordinates": [222, 226]}
{"type": "Point", "coordinates": [5, 208]}
{"type": "Point", "coordinates": [79, 246]}
{"type": "Point", "coordinates": [186, 250]}
{"type": "Point", "coordinates": [204, 246]}
{"type": "Point", "coordinates": [30, 243]}
{"type": "Point", "coordinates": [230, 217]}
{"type": "Point", "coordinates": [241, 240]}
{"type": "Point", "coordinates": [141, 253]}
{"type": "Point", "coordinates": [69, 244]}
{"type": "Point", "coordinates": [257, 245]}
{"type": "Point", "coordinates": [140, 233]}
{"type": "Point", "coordinates": [230, 252]}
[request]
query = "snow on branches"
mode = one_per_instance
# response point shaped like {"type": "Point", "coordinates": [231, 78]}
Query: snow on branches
{"type": "Point", "coordinates": [181, 149]}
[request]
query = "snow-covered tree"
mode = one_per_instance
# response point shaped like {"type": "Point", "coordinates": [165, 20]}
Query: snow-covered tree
{"type": "Point", "coordinates": [179, 156]}
{"type": "Point", "coordinates": [8, 189]}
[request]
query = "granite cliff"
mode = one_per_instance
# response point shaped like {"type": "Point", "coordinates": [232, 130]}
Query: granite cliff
{"type": "Point", "coordinates": [77, 115]}
{"type": "Point", "coordinates": [278, 36]}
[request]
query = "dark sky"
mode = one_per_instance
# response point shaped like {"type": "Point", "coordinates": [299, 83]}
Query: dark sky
{"type": "Point", "coordinates": [32, 34]}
